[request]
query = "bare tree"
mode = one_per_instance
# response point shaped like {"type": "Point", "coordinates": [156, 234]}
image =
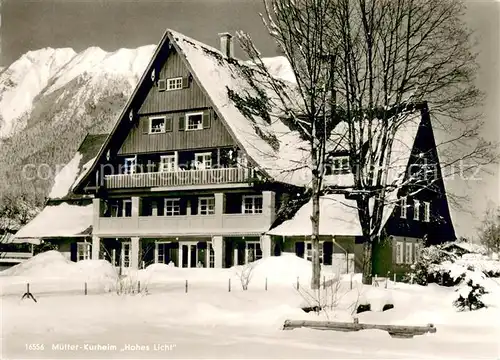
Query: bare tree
{"type": "Point", "coordinates": [373, 66]}
{"type": "Point", "coordinates": [397, 56]}
{"type": "Point", "coordinates": [300, 28]}
{"type": "Point", "coordinates": [489, 233]}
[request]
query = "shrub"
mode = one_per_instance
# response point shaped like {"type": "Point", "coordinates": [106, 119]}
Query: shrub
{"type": "Point", "coordinates": [470, 297]}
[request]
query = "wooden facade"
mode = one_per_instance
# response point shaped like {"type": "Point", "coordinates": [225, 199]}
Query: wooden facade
{"type": "Point", "coordinates": [190, 97]}
{"type": "Point", "coordinates": [139, 140]}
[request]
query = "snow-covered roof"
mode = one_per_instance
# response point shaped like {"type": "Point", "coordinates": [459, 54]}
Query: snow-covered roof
{"type": "Point", "coordinates": [61, 220]}
{"type": "Point", "coordinates": [468, 247]}
{"type": "Point", "coordinates": [273, 146]}
{"type": "Point", "coordinates": [78, 166]}
{"type": "Point", "coordinates": [338, 216]}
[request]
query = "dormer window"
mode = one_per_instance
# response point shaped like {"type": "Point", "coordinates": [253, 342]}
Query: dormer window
{"type": "Point", "coordinates": [157, 125]}
{"type": "Point", "coordinates": [174, 83]}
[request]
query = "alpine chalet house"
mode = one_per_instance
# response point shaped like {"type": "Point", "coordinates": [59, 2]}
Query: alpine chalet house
{"type": "Point", "coordinates": [66, 219]}
{"type": "Point", "coordinates": [186, 178]}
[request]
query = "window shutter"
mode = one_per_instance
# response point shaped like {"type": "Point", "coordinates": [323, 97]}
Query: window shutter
{"type": "Point", "coordinates": [206, 119]}
{"type": "Point", "coordinates": [185, 82]}
{"type": "Point", "coordinates": [168, 124]}
{"type": "Point", "coordinates": [145, 126]}
{"type": "Point", "coordinates": [182, 125]}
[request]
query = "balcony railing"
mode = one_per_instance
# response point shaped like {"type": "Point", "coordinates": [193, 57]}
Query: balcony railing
{"type": "Point", "coordinates": [182, 225]}
{"type": "Point", "coordinates": [179, 178]}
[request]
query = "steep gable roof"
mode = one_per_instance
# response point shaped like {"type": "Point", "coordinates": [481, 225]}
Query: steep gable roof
{"type": "Point", "coordinates": [271, 145]}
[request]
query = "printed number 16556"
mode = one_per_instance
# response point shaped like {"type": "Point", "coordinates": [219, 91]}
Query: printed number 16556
{"type": "Point", "coordinates": [35, 347]}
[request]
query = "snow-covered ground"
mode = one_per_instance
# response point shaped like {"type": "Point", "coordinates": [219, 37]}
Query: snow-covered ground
{"type": "Point", "coordinates": [210, 322]}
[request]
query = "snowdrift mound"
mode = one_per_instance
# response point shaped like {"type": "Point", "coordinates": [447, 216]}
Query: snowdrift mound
{"type": "Point", "coordinates": [282, 269]}
{"type": "Point", "coordinates": [50, 263]}
{"type": "Point", "coordinates": [53, 264]}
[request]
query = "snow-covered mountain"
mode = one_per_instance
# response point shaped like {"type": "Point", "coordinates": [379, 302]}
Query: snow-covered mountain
{"type": "Point", "coordinates": [50, 99]}
{"type": "Point", "coordinates": [37, 75]}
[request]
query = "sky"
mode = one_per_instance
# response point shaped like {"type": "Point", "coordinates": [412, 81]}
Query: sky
{"type": "Point", "coordinates": [113, 24]}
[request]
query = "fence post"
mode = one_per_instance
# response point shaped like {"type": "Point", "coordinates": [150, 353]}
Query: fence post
{"type": "Point", "coordinates": [324, 282]}
{"type": "Point", "coordinates": [85, 288]}
{"type": "Point", "coordinates": [139, 286]}
{"type": "Point", "coordinates": [229, 285]}
{"type": "Point", "coordinates": [395, 278]}
{"type": "Point", "coordinates": [186, 286]}
{"type": "Point", "coordinates": [351, 280]}
{"type": "Point", "coordinates": [297, 283]}
{"type": "Point", "coordinates": [266, 284]}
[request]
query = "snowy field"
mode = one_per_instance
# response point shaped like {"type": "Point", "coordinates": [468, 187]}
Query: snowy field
{"type": "Point", "coordinates": [163, 321]}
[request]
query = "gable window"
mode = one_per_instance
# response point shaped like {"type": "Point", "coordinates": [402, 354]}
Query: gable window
{"type": "Point", "coordinates": [206, 206]}
{"type": "Point", "coordinates": [168, 163]}
{"type": "Point", "coordinates": [194, 121]}
{"type": "Point", "coordinates": [174, 83]}
{"type": "Point", "coordinates": [172, 207]}
{"type": "Point", "coordinates": [203, 161]}
{"type": "Point", "coordinates": [157, 125]}
{"type": "Point", "coordinates": [416, 210]}
{"type": "Point", "coordinates": [129, 165]}
{"type": "Point", "coordinates": [83, 251]}
{"type": "Point", "coordinates": [404, 208]}
{"type": "Point", "coordinates": [339, 165]}
{"type": "Point", "coordinates": [252, 204]}
{"type": "Point", "coordinates": [427, 211]}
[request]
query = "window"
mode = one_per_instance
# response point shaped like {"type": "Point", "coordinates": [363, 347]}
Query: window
{"type": "Point", "coordinates": [252, 204]}
{"type": "Point", "coordinates": [168, 163]}
{"type": "Point", "coordinates": [308, 251]}
{"type": "Point", "coordinates": [83, 251]}
{"type": "Point", "coordinates": [156, 125]}
{"type": "Point", "coordinates": [340, 165]}
{"type": "Point", "coordinates": [416, 210]}
{"type": "Point", "coordinates": [427, 211]}
{"type": "Point", "coordinates": [174, 83]}
{"type": "Point", "coordinates": [409, 253]}
{"type": "Point", "coordinates": [194, 121]}
{"type": "Point", "coordinates": [253, 251]}
{"type": "Point", "coordinates": [172, 207]}
{"type": "Point", "coordinates": [403, 207]}
{"type": "Point", "coordinates": [399, 252]}
{"type": "Point", "coordinates": [203, 161]}
{"type": "Point", "coordinates": [418, 249]}
{"type": "Point", "coordinates": [121, 208]}
{"type": "Point", "coordinates": [130, 165]}
{"type": "Point", "coordinates": [206, 206]}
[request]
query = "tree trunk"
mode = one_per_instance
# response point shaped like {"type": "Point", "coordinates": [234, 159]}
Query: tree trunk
{"type": "Point", "coordinates": [316, 266]}
{"type": "Point", "coordinates": [367, 262]}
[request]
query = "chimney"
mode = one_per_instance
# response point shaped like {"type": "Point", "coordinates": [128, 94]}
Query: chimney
{"type": "Point", "coordinates": [226, 44]}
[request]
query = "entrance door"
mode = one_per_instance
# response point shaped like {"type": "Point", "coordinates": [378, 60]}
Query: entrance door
{"type": "Point", "coordinates": [197, 254]}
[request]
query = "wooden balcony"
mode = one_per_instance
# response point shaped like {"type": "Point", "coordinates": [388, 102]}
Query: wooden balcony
{"type": "Point", "coordinates": [182, 225]}
{"type": "Point", "coordinates": [179, 178]}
